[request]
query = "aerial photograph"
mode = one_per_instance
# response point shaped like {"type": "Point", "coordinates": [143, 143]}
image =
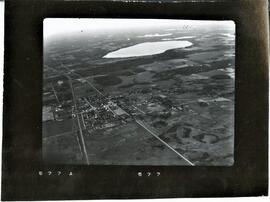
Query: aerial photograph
{"type": "Point", "coordinates": [138, 92]}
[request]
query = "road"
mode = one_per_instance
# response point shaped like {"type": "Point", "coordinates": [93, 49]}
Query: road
{"type": "Point", "coordinates": [138, 109]}
{"type": "Point", "coordinates": [81, 137]}
{"type": "Point", "coordinates": [165, 143]}
{"type": "Point", "coordinates": [139, 122]}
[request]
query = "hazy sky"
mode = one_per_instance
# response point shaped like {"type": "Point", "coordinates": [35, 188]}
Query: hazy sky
{"type": "Point", "coordinates": [54, 26]}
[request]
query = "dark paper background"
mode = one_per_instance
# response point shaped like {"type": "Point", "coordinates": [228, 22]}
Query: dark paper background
{"type": "Point", "coordinates": [22, 158]}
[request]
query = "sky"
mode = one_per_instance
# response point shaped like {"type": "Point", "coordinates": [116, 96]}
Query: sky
{"type": "Point", "coordinates": [53, 26]}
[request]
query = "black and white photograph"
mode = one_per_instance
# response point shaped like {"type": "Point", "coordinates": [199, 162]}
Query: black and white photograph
{"type": "Point", "coordinates": [157, 92]}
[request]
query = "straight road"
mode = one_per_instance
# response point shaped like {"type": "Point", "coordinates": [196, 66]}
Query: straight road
{"type": "Point", "coordinates": [81, 137]}
{"type": "Point", "coordinates": [165, 143]}
{"type": "Point", "coordinates": [140, 123]}
{"type": "Point", "coordinates": [138, 109]}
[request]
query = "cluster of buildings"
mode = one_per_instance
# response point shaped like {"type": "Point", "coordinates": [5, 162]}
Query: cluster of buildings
{"type": "Point", "coordinates": [102, 112]}
{"type": "Point", "coordinates": [99, 113]}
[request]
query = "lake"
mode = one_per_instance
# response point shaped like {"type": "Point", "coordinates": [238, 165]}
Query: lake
{"type": "Point", "coordinates": [147, 48]}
